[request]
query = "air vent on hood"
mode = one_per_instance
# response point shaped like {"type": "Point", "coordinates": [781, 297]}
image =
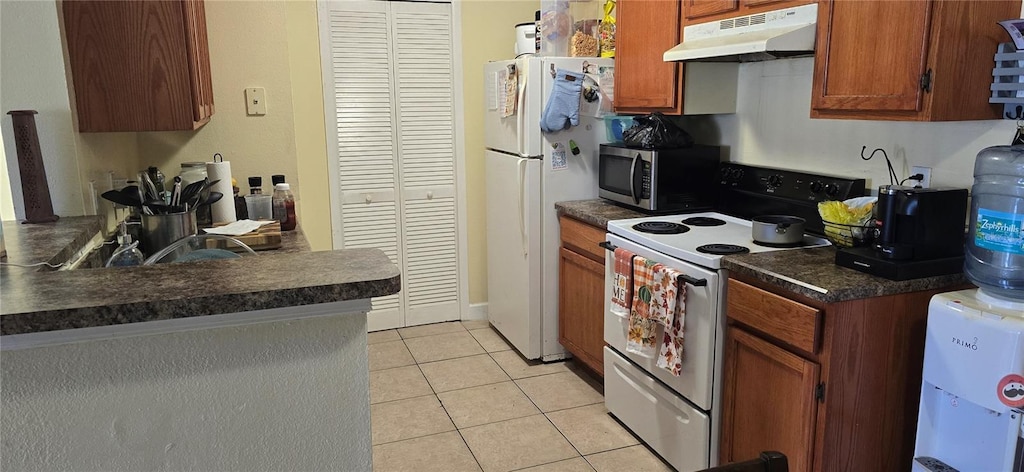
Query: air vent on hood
{"type": "Point", "coordinates": [779, 33]}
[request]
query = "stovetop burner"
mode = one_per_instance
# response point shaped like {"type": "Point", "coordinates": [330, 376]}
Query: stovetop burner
{"type": "Point", "coordinates": [703, 221]}
{"type": "Point", "coordinates": [722, 249]}
{"type": "Point", "coordinates": [660, 227]}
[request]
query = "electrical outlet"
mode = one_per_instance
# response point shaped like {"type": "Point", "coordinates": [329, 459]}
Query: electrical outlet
{"type": "Point", "coordinates": [925, 181]}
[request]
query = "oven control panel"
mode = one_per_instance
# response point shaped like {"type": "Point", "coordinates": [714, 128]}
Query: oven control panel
{"type": "Point", "coordinates": [788, 184]}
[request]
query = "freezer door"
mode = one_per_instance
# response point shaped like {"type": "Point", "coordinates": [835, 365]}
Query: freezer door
{"type": "Point", "coordinates": [513, 250]}
{"type": "Point", "coordinates": [519, 133]}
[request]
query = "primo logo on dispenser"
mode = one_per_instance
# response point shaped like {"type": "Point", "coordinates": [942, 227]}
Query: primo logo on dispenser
{"type": "Point", "coordinates": [971, 345]}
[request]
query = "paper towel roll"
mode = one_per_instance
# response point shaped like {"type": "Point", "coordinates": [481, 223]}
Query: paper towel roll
{"type": "Point", "coordinates": [223, 210]}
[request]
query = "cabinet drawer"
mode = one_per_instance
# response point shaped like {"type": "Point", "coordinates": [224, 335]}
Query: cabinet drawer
{"type": "Point", "coordinates": [781, 318]}
{"type": "Point", "coordinates": [582, 238]}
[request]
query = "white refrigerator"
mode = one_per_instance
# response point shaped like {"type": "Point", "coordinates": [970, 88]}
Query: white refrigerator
{"type": "Point", "coordinates": [526, 174]}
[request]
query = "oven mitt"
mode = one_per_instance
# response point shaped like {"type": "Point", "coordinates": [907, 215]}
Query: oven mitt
{"type": "Point", "coordinates": [563, 108]}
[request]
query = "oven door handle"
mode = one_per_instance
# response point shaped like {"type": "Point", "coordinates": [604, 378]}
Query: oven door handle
{"type": "Point", "coordinates": [683, 278]}
{"type": "Point", "coordinates": [632, 180]}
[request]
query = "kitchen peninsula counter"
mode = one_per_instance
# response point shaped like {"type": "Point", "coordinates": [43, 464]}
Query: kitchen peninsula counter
{"type": "Point", "coordinates": [37, 300]}
{"type": "Point", "coordinates": [188, 365]}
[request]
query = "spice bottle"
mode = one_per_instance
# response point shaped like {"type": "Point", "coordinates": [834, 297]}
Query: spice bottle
{"type": "Point", "coordinates": [284, 206]}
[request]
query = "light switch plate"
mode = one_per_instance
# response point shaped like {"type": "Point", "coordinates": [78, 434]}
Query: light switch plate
{"type": "Point", "coordinates": [255, 101]}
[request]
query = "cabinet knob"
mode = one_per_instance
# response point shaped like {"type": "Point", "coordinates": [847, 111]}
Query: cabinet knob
{"type": "Point", "coordinates": [430, 195]}
{"type": "Point", "coordinates": [369, 198]}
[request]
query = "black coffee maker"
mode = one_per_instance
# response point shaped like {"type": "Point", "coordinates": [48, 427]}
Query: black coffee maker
{"type": "Point", "coordinates": [920, 233]}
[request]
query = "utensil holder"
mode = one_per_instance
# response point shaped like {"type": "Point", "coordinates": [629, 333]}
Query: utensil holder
{"type": "Point", "coordinates": [160, 231]}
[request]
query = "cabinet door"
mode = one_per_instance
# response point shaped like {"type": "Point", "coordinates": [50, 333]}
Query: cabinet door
{"type": "Point", "coordinates": [581, 308]}
{"type": "Point", "coordinates": [702, 8]}
{"type": "Point", "coordinates": [645, 29]}
{"type": "Point", "coordinates": [769, 401]}
{"type": "Point", "coordinates": [871, 55]}
{"type": "Point", "coordinates": [130, 65]}
{"type": "Point", "coordinates": [194, 12]}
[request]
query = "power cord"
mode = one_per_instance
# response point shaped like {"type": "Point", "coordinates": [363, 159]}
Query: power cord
{"type": "Point", "coordinates": [54, 266]}
{"type": "Point", "coordinates": [917, 177]}
{"type": "Point", "coordinates": [892, 173]}
{"type": "Point", "coordinates": [38, 264]}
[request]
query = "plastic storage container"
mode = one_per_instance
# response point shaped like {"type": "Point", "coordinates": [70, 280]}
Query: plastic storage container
{"type": "Point", "coordinates": [555, 27]}
{"type": "Point", "coordinates": [995, 247]}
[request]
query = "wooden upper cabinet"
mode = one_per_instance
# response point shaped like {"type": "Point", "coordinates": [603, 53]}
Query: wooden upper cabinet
{"type": "Point", "coordinates": [703, 11]}
{"type": "Point", "coordinates": [701, 8]}
{"type": "Point", "coordinates": [906, 60]}
{"type": "Point", "coordinates": [644, 83]}
{"type": "Point", "coordinates": [139, 65]}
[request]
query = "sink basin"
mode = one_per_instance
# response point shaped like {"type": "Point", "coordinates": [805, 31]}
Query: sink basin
{"type": "Point", "coordinates": [188, 250]}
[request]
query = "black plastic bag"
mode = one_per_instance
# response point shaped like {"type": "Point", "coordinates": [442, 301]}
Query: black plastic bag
{"type": "Point", "coordinates": [656, 131]}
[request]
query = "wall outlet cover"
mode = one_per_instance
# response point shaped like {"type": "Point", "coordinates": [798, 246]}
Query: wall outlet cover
{"type": "Point", "coordinates": [926, 181]}
{"type": "Point", "coordinates": [255, 101]}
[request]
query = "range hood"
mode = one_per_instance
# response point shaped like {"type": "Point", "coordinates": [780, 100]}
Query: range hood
{"type": "Point", "coordinates": [770, 35]}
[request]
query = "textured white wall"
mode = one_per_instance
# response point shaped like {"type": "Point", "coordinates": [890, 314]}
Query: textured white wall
{"type": "Point", "coordinates": [772, 127]}
{"type": "Point", "coordinates": [290, 395]}
{"type": "Point", "coordinates": [33, 79]}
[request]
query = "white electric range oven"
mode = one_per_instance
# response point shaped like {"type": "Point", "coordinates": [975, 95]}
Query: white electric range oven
{"type": "Point", "coordinates": [678, 417]}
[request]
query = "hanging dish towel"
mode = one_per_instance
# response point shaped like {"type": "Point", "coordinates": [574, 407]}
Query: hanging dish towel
{"type": "Point", "coordinates": [622, 284]}
{"type": "Point", "coordinates": [641, 333]}
{"type": "Point", "coordinates": [563, 108]}
{"type": "Point", "coordinates": [668, 308]}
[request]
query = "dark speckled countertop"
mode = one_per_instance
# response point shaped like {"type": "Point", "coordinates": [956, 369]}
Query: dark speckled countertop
{"type": "Point", "coordinates": [813, 273]}
{"type": "Point", "coordinates": [37, 301]}
{"type": "Point", "coordinates": [597, 212]}
{"type": "Point", "coordinates": [809, 272]}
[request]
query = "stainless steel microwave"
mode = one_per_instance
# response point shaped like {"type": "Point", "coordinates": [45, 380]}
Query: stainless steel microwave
{"type": "Point", "coordinates": [660, 180]}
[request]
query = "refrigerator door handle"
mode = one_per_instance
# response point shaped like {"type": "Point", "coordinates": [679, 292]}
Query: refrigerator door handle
{"type": "Point", "coordinates": [632, 179]}
{"type": "Point", "coordinates": [521, 175]}
{"type": "Point", "coordinates": [521, 115]}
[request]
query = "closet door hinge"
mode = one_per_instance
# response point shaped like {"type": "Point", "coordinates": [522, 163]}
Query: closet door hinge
{"type": "Point", "coordinates": [819, 392]}
{"type": "Point", "coordinates": [926, 81]}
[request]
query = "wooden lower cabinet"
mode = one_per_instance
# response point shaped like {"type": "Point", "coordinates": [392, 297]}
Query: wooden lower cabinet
{"type": "Point", "coordinates": [769, 401]}
{"type": "Point", "coordinates": [580, 308]}
{"type": "Point", "coordinates": [835, 386]}
{"type": "Point", "coordinates": [581, 293]}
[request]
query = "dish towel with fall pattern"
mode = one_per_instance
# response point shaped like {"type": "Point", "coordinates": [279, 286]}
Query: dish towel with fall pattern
{"type": "Point", "coordinates": [668, 308]}
{"type": "Point", "coordinates": [622, 284]}
{"type": "Point", "coordinates": [642, 330]}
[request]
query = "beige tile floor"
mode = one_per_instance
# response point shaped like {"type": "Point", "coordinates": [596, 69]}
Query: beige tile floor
{"type": "Point", "coordinates": [455, 397]}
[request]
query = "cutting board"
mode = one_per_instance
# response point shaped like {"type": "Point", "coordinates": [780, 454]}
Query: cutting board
{"type": "Point", "coordinates": [266, 237]}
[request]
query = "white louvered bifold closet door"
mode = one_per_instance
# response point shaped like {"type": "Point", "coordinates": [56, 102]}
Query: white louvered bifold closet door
{"type": "Point", "coordinates": [421, 34]}
{"type": "Point", "coordinates": [367, 165]}
{"type": "Point", "coordinates": [394, 96]}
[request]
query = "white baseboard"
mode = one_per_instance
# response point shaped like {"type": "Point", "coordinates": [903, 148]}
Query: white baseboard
{"type": "Point", "coordinates": [477, 311]}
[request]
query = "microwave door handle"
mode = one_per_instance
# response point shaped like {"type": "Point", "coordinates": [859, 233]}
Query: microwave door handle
{"type": "Point", "coordinates": [632, 180]}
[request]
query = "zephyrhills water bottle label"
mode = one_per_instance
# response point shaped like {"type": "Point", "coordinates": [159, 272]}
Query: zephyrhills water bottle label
{"type": "Point", "coordinates": [999, 231]}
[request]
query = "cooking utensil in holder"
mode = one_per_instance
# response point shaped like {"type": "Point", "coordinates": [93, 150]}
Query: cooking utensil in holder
{"type": "Point", "coordinates": [160, 231]}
